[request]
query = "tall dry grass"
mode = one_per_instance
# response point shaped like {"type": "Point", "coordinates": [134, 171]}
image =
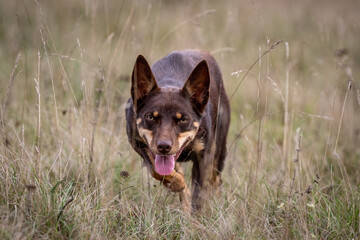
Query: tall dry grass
{"type": "Point", "coordinates": [290, 70]}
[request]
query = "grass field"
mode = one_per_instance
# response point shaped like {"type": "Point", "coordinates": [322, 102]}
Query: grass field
{"type": "Point", "coordinates": [290, 69]}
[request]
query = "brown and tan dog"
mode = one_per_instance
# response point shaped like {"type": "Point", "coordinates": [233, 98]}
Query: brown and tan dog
{"type": "Point", "coordinates": [178, 111]}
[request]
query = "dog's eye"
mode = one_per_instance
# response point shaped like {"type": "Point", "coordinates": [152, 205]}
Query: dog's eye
{"type": "Point", "coordinates": [184, 120]}
{"type": "Point", "coordinates": [150, 117]}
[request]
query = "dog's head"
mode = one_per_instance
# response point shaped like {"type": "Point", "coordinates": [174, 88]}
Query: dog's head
{"type": "Point", "coordinates": [168, 118]}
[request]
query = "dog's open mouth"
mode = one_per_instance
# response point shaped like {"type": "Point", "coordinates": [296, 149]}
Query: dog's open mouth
{"type": "Point", "coordinates": [165, 164]}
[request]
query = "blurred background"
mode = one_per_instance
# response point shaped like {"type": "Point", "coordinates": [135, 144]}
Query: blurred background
{"type": "Point", "coordinates": [290, 70]}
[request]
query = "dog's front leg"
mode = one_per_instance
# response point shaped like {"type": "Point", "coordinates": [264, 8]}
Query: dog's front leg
{"type": "Point", "coordinates": [201, 179]}
{"type": "Point", "coordinates": [175, 181]}
{"type": "Point", "coordinates": [185, 194]}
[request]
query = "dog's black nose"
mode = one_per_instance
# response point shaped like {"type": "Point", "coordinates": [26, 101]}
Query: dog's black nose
{"type": "Point", "coordinates": [164, 146]}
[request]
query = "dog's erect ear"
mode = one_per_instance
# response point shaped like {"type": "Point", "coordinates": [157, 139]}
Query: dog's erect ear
{"type": "Point", "coordinates": [142, 81]}
{"type": "Point", "coordinates": [197, 86]}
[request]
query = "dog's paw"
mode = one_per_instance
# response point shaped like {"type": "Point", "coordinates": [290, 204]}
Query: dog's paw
{"type": "Point", "coordinates": [176, 186]}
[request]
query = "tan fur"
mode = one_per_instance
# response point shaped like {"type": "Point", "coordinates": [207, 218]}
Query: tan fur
{"type": "Point", "coordinates": [178, 115]}
{"type": "Point", "coordinates": [196, 124]}
{"type": "Point", "coordinates": [138, 121]}
{"type": "Point", "coordinates": [145, 134]}
{"type": "Point", "coordinates": [185, 194]}
{"type": "Point", "coordinates": [186, 136]}
{"type": "Point", "coordinates": [198, 146]}
{"type": "Point", "coordinates": [155, 114]}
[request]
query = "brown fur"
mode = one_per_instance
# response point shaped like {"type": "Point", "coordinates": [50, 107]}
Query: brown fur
{"type": "Point", "coordinates": [179, 107]}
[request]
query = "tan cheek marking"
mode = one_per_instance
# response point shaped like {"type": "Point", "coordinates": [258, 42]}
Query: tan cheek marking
{"type": "Point", "coordinates": [146, 135]}
{"type": "Point", "coordinates": [138, 121]}
{"type": "Point", "coordinates": [155, 114]}
{"type": "Point", "coordinates": [187, 134]}
{"type": "Point", "coordinates": [196, 124]}
{"type": "Point", "coordinates": [184, 136]}
{"type": "Point", "coordinates": [198, 146]}
{"type": "Point", "coordinates": [178, 115]}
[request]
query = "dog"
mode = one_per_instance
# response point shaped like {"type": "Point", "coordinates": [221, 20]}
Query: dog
{"type": "Point", "coordinates": [179, 111]}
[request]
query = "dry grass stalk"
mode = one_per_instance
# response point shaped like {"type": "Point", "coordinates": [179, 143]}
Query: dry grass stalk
{"type": "Point", "coordinates": [271, 48]}
{"type": "Point", "coordinates": [38, 91]}
{"type": "Point", "coordinates": [11, 82]}
{"type": "Point", "coordinates": [329, 133]}
{"type": "Point", "coordinates": [261, 115]}
{"type": "Point", "coordinates": [289, 209]}
{"type": "Point", "coordinates": [336, 154]}
{"type": "Point", "coordinates": [99, 93]}
{"type": "Point", "coordinates": [190, 20]}
{"type": "Point", "coordinates": [286, 111]}
{"type": "Point", "coordinates": [43, 38]}
{"type": "Point", "coordinates": [4, 141]}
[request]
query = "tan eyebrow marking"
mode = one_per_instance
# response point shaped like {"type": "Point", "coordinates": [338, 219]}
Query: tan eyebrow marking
{"type": "Point", "coordinates": [138, 121]}
{"type": "Point", "coordinates": [178, 115]}
{"type": "Point", "coordinates": [155, 114]}
{"type": "Point", "coordinates": [196, 124]}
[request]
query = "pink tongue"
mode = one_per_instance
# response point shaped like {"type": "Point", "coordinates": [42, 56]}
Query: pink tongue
{"type": "Point", "coordinates": [164, 165]}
